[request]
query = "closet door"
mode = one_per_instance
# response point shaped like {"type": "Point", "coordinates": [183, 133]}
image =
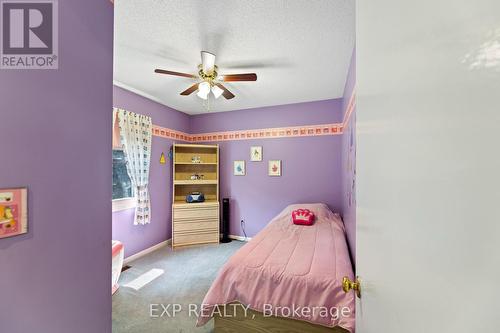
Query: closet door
{"type": "Point", "coordinates": [428, 125]}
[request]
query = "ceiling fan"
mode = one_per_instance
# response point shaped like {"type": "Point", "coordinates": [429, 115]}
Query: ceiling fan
{"type": "Point", "coordinates": [209, 79]}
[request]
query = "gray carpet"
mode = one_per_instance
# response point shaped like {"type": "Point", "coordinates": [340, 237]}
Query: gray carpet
{"type": "Point", "coordinates": [187, 275]}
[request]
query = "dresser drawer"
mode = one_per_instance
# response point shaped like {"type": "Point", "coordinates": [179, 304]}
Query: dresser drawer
{"type": "Point", "coordinates": [193, 225]}
{"type": "Point", "coordinates": [196, 238]}
{"type": "Point", "coordinates": [196, 212]}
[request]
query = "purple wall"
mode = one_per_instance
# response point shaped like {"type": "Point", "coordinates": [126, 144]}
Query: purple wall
{"type": "Point", "coordinates": [310, 170]}
{"type": "Point", "coordinates": [256, 189]}
{"type": "Point", "coordinates": [310, 173]}
{"type": "Point", "coordinates": [312, 166]}
{"type": "Point", "coordinates": [322, 112]}
{"type": "Point", "coordinates": [55, 139]}
{"type": "Point", "coordinates": [349, 163]}
{"type": "Point", "coordinates": [139, 237]}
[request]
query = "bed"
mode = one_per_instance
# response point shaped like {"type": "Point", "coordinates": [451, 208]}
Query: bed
{"type": "Point", "coordinates": [284, 268]}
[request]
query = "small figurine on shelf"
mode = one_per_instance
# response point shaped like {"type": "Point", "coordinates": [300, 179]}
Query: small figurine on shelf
{"type": "Point", "coordinates": [196, 159]}
{"type": "Point", "coordinates": [197, 177]}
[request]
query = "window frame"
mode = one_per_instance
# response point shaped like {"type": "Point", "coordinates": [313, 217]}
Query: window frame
{"type": "Point", "coordinates": [123, 204]}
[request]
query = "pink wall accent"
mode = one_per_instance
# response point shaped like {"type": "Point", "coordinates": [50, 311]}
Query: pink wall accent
{"type": "Point", "coordinates": [251, 134]}
{"type": "Point", "coordinates": [348, 156]}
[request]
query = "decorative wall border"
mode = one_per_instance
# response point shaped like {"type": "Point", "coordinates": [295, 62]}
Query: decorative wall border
{"type": "Point", "coordinates": [264, 133]}
{"type": "Point", "coordinates": [167, 133]}
{"type": "Point", "coordinates": [350, 108]}
{"type": "Point", "coordinates": [271, 133]}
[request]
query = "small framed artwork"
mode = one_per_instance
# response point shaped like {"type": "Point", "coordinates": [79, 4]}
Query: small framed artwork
{"type": "Point", "coordinates": [256, 153]}
{"type": "Point", "coordinates": [239, 168]}
{"type": "Point", "coordinates": [13, 212]}
{"type": "Point", "coordinates": [275, 168]}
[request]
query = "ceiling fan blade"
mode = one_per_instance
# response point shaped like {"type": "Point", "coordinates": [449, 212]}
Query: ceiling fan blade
{"type": "Point", "coordinates": [227, 94]}
{"type": "Point", "coordinates": [162, 71]}
{"type": "Point", "coordinates": [190, 90]}
{"type": "Point", "coordinates": [238, 77]}
{"type": "Point", "coordinates": [207, 62]}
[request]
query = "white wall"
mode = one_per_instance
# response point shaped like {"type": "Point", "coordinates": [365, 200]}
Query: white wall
{"type": "Point", "coordinates": [428, 115]}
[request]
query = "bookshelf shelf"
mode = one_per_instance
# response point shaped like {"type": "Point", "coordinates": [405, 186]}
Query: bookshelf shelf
{"type": "Point", "coordinates": [195, 223]}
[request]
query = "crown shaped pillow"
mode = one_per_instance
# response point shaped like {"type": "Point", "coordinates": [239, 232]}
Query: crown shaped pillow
{"type": "Point", "coordinates": [303, 217]}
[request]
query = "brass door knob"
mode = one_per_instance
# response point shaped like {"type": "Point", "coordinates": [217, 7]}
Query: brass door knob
{"type": "Point", "coordinates": [348, 285]}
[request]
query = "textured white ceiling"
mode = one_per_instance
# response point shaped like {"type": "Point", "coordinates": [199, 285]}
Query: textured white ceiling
{"type": "Point", "coordinates": [300, 49]}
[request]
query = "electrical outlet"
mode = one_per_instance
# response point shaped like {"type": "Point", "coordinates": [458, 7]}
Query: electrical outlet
{"type": "Point", "coordinates": [242, 224]}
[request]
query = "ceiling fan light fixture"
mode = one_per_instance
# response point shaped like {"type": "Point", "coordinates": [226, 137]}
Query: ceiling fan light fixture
{"type": "Point", "coordinates": [202, 95]}
{"type": "Point", "coordinates": [204, 88]}
{"type": "Point", "coordinates": [217, 91]}
{"type": "Point", "coordinates": [208, 80]}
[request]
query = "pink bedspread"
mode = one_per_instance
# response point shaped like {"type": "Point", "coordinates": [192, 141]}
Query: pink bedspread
{"type": "Point", "coordinates": [290, 266]}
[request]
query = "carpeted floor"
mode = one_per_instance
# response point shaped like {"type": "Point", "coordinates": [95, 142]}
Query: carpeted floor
{"type": "Point", "coordinates": [181, 276]}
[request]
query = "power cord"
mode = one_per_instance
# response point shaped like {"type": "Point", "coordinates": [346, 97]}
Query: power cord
{"type": "Point", "coordinates": [242, 223]}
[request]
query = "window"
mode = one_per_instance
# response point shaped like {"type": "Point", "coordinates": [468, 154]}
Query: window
{"type": "Point", "coordinates": [122, 185]}
{"type": "Point", "coordinates": [123, 193]}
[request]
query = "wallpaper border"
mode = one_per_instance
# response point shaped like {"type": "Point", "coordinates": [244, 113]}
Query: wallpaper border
{"type": "Point", "coordinates": [263, 133]}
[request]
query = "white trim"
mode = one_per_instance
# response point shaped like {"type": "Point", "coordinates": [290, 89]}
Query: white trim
{"type": "Point", "coordinates": [146, 251]}
{"type": "Point", "coordinates": [123, 204]}
{"type": "Point", "coordinates": [240, 238]}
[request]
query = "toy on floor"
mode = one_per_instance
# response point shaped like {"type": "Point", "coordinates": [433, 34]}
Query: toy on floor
{"type": "Point", "coordinates": [117, 254]}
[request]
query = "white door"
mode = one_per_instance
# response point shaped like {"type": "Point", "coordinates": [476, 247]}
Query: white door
{"type": "Point", "coordinates": [428, 125]}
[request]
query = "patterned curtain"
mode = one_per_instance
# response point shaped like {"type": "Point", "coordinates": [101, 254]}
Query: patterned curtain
{"type": "Point", "coordinates": [135, 138]}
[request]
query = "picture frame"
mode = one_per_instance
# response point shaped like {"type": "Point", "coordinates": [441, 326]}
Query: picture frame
{"type": "Point", "coordinates": [274, 168]}
{"type": "Point", "coordinates": [256, 153]}
{"type": "Point", "coordinates": [239, 168]}
{"type": "Point", "coordinates": [13, 212]}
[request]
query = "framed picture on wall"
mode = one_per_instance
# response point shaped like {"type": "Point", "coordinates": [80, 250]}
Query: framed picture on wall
{"type": "Point", "coordinates": [256, 153]}
{"type": "Point", "coordinates": [239, 168]}
{"type": "Point", "coordinates": [13, 212]}
{"type": "Point", "coordinates": [275, 168]}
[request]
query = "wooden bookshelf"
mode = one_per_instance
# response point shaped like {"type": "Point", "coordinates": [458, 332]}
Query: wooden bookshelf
{"type": "Point", "coordinates": [195, 223]}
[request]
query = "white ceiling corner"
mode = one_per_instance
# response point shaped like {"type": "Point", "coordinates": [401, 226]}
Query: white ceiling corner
{"type": "Point", "coordinates": [300, 49]}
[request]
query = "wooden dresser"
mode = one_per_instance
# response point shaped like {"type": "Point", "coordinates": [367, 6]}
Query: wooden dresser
{"type": "Point", "coordinates": [195, 223]}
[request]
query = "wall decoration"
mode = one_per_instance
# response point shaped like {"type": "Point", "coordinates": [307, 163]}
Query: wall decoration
{"type": "Point", "coordinates": [13, 212]}
{"type": "Point", "coordinates": [251, 134]}
{"type": "Point", "coordinates": [162, 158]}
{"type": "Point", "coordinates": [275, 168]}
{"type": "Point", "coordinates": [239, 168]}
{"type": "Point", "coordinates": [256, 153]}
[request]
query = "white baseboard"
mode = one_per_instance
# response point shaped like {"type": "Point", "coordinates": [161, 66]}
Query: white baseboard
{"type": "Point", "coordinates": [240, 238]}
{"type": "Point", "coordinates": [146, 251]}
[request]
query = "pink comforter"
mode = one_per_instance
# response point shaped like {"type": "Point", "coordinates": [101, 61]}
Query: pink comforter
{"type": "Point", "coordinates": [290, 266]}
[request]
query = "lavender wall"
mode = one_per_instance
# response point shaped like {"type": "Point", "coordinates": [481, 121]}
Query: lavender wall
{"type": "Point", "coordinates": [311, 165]}
{"type": "Point", "coordinates": [349, 163]}
{"type": "Point", "coordinates": [137, 238]}
{"type": "Point", "coordinates": [55, 139]}
{"type": "Point", "coordinates": [321, 112]}
{"type": "Point", "coordinates": [310, 173]}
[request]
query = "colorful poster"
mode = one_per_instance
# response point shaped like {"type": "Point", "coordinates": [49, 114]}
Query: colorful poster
{"type": "Point", "coordinates": [13, 212]}
{"type": "Point", "coordinates": [239, 168]}
{"type": "Point", "coordinates": [275, 168]}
